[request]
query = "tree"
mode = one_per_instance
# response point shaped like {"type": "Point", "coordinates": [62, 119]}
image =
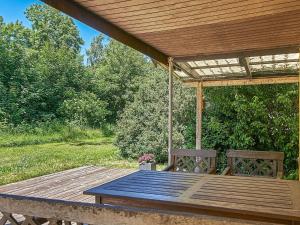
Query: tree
{"type": "Point", "coordinates": [59, 76]}
{"type": "Point", "coordinates": [15, 69]}
{"type": "Point", "coordinates": [143, 127]}
{"type": "Point", "coordinates": [51, 26]}
{"type": "Point", "coordinates": [95, 52]}
{"type": "Point", "coordinates": [114, 78]}
{"type": "Point", "coordinates": [86, 109]}
{"type": "Point", "coordinates": [255, 117]}
{"type": "Point", "coordinates": [36, 79]}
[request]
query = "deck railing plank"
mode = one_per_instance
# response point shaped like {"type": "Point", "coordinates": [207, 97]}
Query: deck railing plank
{"type": "Point", "coordinates": [85, 213]}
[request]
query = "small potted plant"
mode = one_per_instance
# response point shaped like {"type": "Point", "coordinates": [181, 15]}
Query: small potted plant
{"type": "Point", "coordinates": [147, 162]}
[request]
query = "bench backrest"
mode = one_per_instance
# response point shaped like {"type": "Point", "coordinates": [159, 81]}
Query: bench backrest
{"type": "Point", "coordinates": [193, 161]}
{"type": "Point", "coordinates": [255, 163]}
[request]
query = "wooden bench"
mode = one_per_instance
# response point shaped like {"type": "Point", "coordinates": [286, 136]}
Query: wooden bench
{"type": "Point", "coordinates": [38, 211]}
{"type": "Point", "coordinates": [193, 161]}
{"type": "Point", "coordinates": [254, 163]}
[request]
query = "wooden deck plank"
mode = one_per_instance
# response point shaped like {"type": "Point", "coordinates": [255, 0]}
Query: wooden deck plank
{"type": "Point", "coordinates": [38, 186]}
{"type": "Point", "coordinates": [50, 187]}
{"type": "Point", "coordinates": [66, 185]}
{"type": "Point", "coordinates": [39, 180]}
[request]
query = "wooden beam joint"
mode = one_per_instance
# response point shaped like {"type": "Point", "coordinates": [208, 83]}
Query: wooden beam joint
{"type": "Point", "coordinates": [244, 62]}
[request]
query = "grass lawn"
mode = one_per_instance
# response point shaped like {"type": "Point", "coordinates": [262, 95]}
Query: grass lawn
{"type": "Point", "coordinates": [26, 156]}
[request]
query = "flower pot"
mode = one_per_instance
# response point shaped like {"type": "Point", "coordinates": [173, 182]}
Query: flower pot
{"type": "Point", "coordinates": [148, 166]}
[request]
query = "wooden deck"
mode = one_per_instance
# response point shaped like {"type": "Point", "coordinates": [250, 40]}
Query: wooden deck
{"type": "Point", "coordinates": [66, 185]}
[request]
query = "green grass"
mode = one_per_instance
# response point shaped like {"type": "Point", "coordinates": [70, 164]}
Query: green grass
{"type": "Point", "coordinates": [23, 156]}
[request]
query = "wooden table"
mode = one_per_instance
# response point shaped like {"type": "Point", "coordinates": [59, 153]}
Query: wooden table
{"type": "Point", "coordinates": [260, 199]}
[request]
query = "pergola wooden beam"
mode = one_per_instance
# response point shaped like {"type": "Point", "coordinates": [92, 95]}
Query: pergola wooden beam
{"type": "Point", "coordinates": [199, 108]}
{"type": "Point", "coordinates": [244, 61]}
{"type": "Point", "coordinates": [84, 15]}
{"type": "Point", "coordinates": [299, 120]}
{"type": "Point", "coordinates": [238, 82]}
{"type": "Point", "coordinates": [188, 70]}
{"type": "Point", "coordinates": [170, 116]}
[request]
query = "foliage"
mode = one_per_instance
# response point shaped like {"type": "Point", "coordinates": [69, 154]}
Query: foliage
{"type": "Point", "coordinates": [95, 52]}
{"type": "Point", "coordinates": [250, 118]}
{"type": "Point", "coordinates": [51, 26]}
{"type": "Point", "coordinates": [143, 127]}
{"type": "Point", "coordinates": [256, 117]}
{"type": "Point", "coordinates": [114, 79]}
{"type": "Point", "coordinates": [86, 108]}
{"type": "Point", "coordinates": [42, 73]}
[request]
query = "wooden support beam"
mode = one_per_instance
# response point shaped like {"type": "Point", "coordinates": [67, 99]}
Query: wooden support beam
{"type": "Point", "coordinates": [199, 108]}
{"type": "Point", "coordinates": [299, 119]}
{"type": "Point", "coordinates": [239, 82]}
{"type": "Point", "coordinates": [188, 70]}
{"type": "Point", "coordinates": [80, 13]}
{"type": "Point", "coordinates": [170, 121]}
{"type": "Point", "coordinates": [244, 61]}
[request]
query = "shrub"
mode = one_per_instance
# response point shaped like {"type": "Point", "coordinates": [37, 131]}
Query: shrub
{"type": "Point", "coordinates": [143, 127]}
{"type": "Point", "coordinates": [85, 109]}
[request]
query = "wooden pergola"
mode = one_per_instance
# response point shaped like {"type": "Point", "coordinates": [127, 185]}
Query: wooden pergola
{"type": "Point", "coordinates": [204, 43]}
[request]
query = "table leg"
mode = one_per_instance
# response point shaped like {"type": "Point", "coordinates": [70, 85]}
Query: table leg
{"type": "Point", "coordinates": [98, 199]}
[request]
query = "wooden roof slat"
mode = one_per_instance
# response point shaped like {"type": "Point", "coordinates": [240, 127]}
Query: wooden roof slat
{"type": "Point", "coordinates": [191, 30]}
{"type": "Point", "coordinates": [225, 32]}
{"type": "Point", "coordinates": [111, 4]}
{"type": "Point", "coordinates": [185, 8]}
{"type": "Point", "coordinates": [200, 19]}
{"type": "Point", "coordinates": [233, 29]}
{"type": "Point", "coordinates": [174, 16]}
{"type": "Point", "coordinates": [212, 43]}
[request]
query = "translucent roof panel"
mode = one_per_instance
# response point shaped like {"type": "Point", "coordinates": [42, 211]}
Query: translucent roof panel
{"type": "Point", "coordinates": [274, 58]}
{"type": "Point", "coordinates": [284, 63]}
{"type": "Point", "coordinates": [218, 67]}
{"type": "Point", "coordinates": [181, 74]}
{"type": "Point", "coordinates": [280, 64]}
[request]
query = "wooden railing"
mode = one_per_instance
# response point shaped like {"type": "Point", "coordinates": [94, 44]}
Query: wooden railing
{"type": "Point", "coordinates": [37, 211]}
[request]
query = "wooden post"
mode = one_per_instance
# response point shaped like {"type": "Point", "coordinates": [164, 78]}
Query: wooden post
{"type": "Point", "coordinates": [299, 119]}
{"type": "Point", "coordinates": [170, 121]}
{"type": "Point", "coordinates": [199, 114]}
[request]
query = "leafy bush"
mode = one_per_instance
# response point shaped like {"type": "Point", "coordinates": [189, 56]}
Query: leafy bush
{"type": "Point", "coordinates": [261, 117]}
{"type": "Point", "coordinates": [86, 109]}
{"type": "Point", "coordinates": [108, 129]}
{"type": "Point", "coordinates": [143, 127]}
